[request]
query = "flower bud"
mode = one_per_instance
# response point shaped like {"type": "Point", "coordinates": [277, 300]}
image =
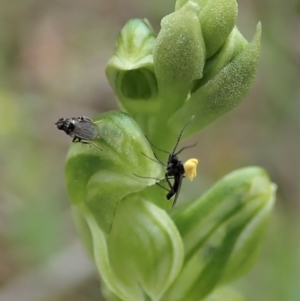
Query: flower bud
{"type": "Point", "coordinates": [223, 91]}
{"type": "Point", "coordinates": [130, 71]}
{"type": "Point", "coordinates": [101, 179]}
{"type": "Point", "coordinates": [233, 46]}
{"type": "Point", "coordinates": [222, 232]}
{"type": "Point", "coordinates": [179, 55]}
{"type": "Point", "coordinates": [217, 18]}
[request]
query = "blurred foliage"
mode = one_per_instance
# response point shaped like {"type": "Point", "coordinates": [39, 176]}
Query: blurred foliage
{"type": "Point", "coordinates": [52, 60]}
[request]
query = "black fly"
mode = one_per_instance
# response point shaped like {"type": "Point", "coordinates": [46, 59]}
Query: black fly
{"type": "Point", "coordinates": [81, 129]}
{"type": "Point", "coordinates": [176, 169]}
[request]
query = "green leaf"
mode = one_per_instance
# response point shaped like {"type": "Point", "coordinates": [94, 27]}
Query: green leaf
{"type": "Point", "coordinates": [101, 180]}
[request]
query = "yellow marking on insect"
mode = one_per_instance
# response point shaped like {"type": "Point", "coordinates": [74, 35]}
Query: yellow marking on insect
{"type": "Point", "coordinates": [190, 168]}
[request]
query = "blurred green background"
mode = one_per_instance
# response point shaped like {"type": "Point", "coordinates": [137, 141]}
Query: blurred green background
{"type": "Point", "coordinates": [52, 60]}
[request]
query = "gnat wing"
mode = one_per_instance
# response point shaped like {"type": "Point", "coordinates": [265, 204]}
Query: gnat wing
{"type": "Point", "coordinates": [86, 130]}
{"type": "Point", "coordinates": [179, 183]}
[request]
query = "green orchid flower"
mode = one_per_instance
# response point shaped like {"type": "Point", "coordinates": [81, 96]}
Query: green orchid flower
{"type": "Point", "coordinates": [144, 251]}
{"type": "Point", "coordinates": [200, 65]}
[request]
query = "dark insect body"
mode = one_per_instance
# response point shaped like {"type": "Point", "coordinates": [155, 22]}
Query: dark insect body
{"type": "Point", "coordinates": [81, 129]}
{"type": "Point", "coordinates": [176, 169]}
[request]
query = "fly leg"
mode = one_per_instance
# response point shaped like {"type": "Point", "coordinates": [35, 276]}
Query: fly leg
{"type": "Point", "coordinates": [76, 139]}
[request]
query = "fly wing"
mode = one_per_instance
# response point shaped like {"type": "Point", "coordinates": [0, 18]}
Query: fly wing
{"type": "Point", "coordinates": [86, 130]}
{"type": "Point", "coordinates": [180, 179]}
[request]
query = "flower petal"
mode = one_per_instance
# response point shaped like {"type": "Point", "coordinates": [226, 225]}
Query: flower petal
{"type": "Point", "coordinates": [222, 232]}
{"type": "Point", "coordinates": [130, 71]}
{"type": "Point", "coordinates": [143, 253]}
{"type": "Point", "coordinates": [101, 179]}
